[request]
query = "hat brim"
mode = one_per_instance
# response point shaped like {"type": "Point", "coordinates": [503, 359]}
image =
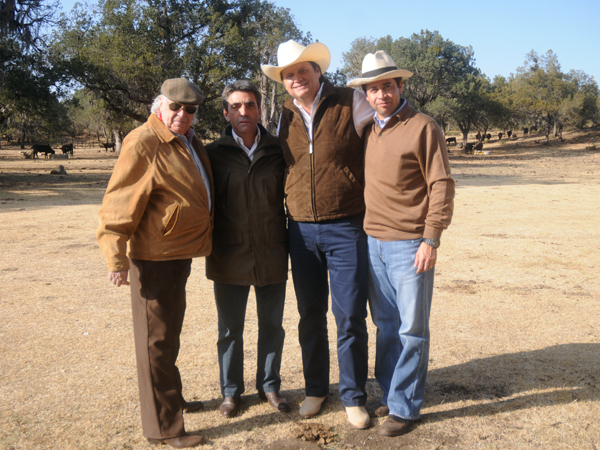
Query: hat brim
{"type": "Point", "coordinates": [315, 52]}
{"type": "Point", "coordinates": [359, 82]}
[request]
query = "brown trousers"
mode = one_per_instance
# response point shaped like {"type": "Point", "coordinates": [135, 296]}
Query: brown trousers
{"type": "Point", "coordinates": [158, 306]}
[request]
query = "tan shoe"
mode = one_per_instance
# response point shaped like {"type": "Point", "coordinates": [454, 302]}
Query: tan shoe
{"type": "Point", "coordinates": [358, 417]}
{"type": "Point", "coordinates": [311, 406]}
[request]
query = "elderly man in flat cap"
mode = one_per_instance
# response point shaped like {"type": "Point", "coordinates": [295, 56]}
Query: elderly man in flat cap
{"type": "Point", "coordinates": [159, 200]}
{"type": "Point", "coordinates": [320, 134]}
{"type": "Point", "coordinates": [409, 195]}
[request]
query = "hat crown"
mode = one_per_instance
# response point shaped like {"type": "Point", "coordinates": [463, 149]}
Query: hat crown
{"type": "Point", "coordinates": [288, 52]}
{"type": "Point", "coordinates": [377, 61]}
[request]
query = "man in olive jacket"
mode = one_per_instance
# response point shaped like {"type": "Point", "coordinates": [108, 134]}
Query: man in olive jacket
{"type": "Point", "coordinates": [249, 246]}
{"type": "Point", "coordinates": [158, 203]}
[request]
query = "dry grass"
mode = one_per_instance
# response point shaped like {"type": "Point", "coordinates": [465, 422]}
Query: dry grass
{"type": "Point", "coordinates": [515, 360]}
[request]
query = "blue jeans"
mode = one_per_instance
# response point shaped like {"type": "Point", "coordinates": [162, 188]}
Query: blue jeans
{"type": "Point", "coordinates": [340, 248]}
{"type": "Point", "coordinates": [400, 302]}
{"type": "Point", "coordinates": [231, 302]}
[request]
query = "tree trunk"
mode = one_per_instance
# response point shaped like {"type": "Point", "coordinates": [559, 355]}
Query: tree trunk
{"type": "Point", "coordinates": [118, 137]}
{"type": "Point", "coordinates": [263, 87]}
{"type": "Point", "coordinates": [273, 114]}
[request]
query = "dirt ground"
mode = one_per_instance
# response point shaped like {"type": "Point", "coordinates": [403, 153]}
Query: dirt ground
{"type": "Point", "coordinates": [515, 354]}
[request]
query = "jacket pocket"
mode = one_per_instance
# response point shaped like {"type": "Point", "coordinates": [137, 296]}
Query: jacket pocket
{"type": "Point", "coordinates": [351, 177]}
{"type": "Point", "coordinates": [171, 216]}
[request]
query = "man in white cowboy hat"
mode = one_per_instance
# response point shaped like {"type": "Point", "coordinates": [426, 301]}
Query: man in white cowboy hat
{"type": "Point", "coordinates": [409, 196]}
{"type": "Point", "coordinates": [320, 134]}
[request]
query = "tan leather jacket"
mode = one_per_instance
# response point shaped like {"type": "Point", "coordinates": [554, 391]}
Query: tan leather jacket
{"type": "Point", "coordinates": [156, 199]}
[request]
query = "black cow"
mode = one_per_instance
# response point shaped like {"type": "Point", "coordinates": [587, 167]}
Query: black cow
{"type": "Point", "coordinates": [67, 148]}
{"type": "Point", "coordinates": [478, 136]}
{"type": "Point", "coordinates": [469, 148]}
{"type": "Point", "coordinates": [500, 136]}
{"type": "Point", "coordinates": [41, 148]}
{"type": "Point", "coordinates": [508, 133]}
{"type": "Point", "coordinates": [451, 140]}
{"type": "Point", "coordinates": [488, 136]}
{"type": "Point", "coordinates": [534, 129]}
{"type": "Point", "coordinates": [525, 130]}
{"type": "Point", "coordinates": [108, 145]}
{"type": "Point", "coordinates": [479, 146]}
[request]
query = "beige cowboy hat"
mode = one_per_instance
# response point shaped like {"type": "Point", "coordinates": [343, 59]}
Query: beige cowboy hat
{"type": "Point", "coordinates": [378, 66]}
{"type": "Point", "coordinates": [290, 53]}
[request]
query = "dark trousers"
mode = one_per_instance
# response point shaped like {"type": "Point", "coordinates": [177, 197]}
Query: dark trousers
{"type": "Point", "coordinates": [231, 302]}
{"type": "Point", "coordinates": [158, 307]}
{"type": "Point", "coordinates": [340, 248]}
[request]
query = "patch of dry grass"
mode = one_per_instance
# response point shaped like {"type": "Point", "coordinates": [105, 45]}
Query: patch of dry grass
{"type": "Point", "coordinates": [515, 360]}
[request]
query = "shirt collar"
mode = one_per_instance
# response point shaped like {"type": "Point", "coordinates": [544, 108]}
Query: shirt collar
{"type": "Point", "coordinates": [383, 122]}
{"type": "Point", "coordinates": [240, 141]}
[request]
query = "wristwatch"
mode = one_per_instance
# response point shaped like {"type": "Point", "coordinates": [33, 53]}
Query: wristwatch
{"type": "Point", "coordinates": [434, 243]}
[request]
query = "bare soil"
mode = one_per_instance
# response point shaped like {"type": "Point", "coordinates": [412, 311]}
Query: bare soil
{"type": "Point", "coordinates": [515, 354]}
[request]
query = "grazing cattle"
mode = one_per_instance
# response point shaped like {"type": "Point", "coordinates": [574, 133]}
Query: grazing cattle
{"type": "Point", "coordinates": [500, 136]}
{"type": "Point", "coordinates": [534, 129]}
{"type": "Point", "coordinates": [525, 130]}
{"type": "Point", "coordinates": [478, 136]}
{"type": "Point", "coordinates": [451, 140]}
{"type": "Point", "coordinates": [488, 136]}
{"type": "Point", "coordinates": [108, 145]}
{"type": "Point", "coordinates": [508, 133]}
{"type": "Point", "coordinates": [67, 148]}
{"type": "Point", "coordinates": [469, 148]}
{"type": "Point", "coordinates": [478, 146]}
{"type": "Point", "coordinates": [41, 148]}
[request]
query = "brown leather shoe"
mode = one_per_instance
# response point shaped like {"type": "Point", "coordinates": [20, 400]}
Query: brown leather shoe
{"type": "Point", "coordinates": [230, 406]}
{"type": "Point", "coordinates": [190, 407]}
{"type": "Point", "coordinates": [395, 426]}
{"type": "Point", "coordinates": [185, 441]}
{"type": "Point", "coordinates": [276, 401]}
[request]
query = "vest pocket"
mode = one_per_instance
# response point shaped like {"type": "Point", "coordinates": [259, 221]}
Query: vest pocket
{"type": "Point", "coordinates": [171, 219]}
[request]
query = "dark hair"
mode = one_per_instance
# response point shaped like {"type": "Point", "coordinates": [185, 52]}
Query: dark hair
{"type": "Point", "coordinates": [398, 81]}
{"type": "Point", "coordinates": [243, 86]}
{"type": "Point", "coordinates": [315, 67]}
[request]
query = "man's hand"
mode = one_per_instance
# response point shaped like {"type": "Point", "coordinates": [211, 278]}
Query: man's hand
{"type": "Point", "coordinates": [425, 259]}
{"type": "Point", "coordinates": [118, 278]}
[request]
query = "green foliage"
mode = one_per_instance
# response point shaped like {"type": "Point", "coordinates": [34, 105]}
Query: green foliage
{"type": "Point", "coordinates": [545, 95]}
{"type": "Point", "coordinates": [122, 52]}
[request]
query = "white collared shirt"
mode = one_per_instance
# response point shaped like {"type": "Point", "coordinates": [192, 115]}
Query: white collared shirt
{"type": "Point", "coordinates": [362, 113]}
{"type": "Point", "coordinates": [385, 120]}
{"type": "Point", "coordinates": [240, 142]}
{"type": "Point", "coordinates": [203, 173]}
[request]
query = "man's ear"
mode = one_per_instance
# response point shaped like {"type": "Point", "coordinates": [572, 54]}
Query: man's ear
{"type": "Point", "coordinates": [226, 115]}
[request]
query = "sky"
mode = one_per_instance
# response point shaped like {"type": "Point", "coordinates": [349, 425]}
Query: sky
{"type": "Point", "coordinates": [501, 33]}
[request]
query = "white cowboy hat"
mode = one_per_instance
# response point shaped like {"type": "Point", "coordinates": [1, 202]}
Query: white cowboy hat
{"type": "Point", "coordinates": [290, 53]}
{"type": "Point", "coordinates": [378, 66]}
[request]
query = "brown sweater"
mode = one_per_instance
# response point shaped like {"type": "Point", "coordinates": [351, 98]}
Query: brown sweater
{"type": "Point", "coordinates": [409, 192]}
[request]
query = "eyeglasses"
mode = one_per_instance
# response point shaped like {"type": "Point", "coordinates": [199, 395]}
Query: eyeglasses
{"type": "Point", "coordinates": [188, 108]}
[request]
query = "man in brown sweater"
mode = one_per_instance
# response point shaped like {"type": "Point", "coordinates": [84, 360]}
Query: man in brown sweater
{"type": "Point", "coordinates": [409, 197]}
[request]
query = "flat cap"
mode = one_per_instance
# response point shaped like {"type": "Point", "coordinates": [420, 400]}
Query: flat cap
{"type": "Point", "coordinates": [182, 90]}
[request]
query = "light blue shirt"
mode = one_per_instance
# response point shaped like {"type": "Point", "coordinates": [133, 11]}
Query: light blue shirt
{"type": "Point", "coordinates": [201, 169]}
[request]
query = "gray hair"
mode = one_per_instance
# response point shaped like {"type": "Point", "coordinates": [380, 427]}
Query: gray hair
{"type": "Point", "coordinates": [243, 86]}
{"type": "Point", "coordinates": [155, 108]}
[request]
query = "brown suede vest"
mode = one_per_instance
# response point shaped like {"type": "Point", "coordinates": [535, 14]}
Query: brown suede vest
{"type": "Point", "coordinates": [327, 183]}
